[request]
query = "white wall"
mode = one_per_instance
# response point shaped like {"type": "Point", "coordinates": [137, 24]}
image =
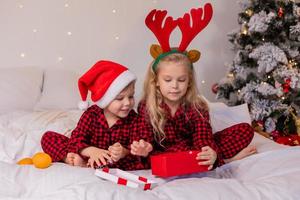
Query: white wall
{"type": "Point", "coordinates": [75, 34]}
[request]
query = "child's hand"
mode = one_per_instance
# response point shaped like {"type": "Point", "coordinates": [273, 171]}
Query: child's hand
{"type": "Point", "coordinates": [117, 151]}
{"type": "Point", "coordinates": [208, 155]}
{"type": "Point", "coordinates": [96, 156]}
{"type": "Point", "coordinates": [141, 148]}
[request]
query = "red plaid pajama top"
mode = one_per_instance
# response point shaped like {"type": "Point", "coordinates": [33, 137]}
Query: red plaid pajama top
{"type": "Point", "coordinates": [92, 130]}
{"type": "Point", "coordinates": [188, 129]}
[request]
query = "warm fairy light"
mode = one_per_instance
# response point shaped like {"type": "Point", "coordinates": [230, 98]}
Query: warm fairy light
{"type": "Point", "coordinates": [239, 91]}
{"type": "Point", "coordinates": [117, 37]}
{"type": "Point", "coordinates": [249, 12]}
{"type": "Point", "coordinates": [66, 5]}
{"type": "Point", "coordinates": [34, 30]}
{"type": "Point", "coordinates": [244, 29]}
{"type": "Point", "coordinates": [283, 98]}
{"type": "Point", "coordinates": [230, 75]}
{"type": "Point", "coordinates": [245, 32]}
{"type": "Point", "coordinates": [69, 33]}
{"type": "Point", "coordinates": [22, 55]}
{"type": "Point", "coordinates": [203, 81]}
{"type": "Point", "coordinates": [60, 59]}
{"type": "Point", "coordinates": [292, 63]}
{"type": "Point", "coordinates": [114, 11]}
{"type": "Point", "coordinates": [21, 6]}
{"type": "Point", "coordinates": [269, 77]}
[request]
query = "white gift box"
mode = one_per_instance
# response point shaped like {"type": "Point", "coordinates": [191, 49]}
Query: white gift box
{"type": "Point", "coordinates": [125, 178]}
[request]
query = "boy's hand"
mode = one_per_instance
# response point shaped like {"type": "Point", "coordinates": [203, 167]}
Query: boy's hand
{"type": "Point", "coordinates": [117, 151]}
{"type": "Point", "coordinates": [141, 148]}
{"type": "Point", "coordinates": [208, 157]}
{"type": "Point", "coordinates": [97, 156]}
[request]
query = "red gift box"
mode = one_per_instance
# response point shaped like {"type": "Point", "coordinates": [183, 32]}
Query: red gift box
{"type": "Point", "coordinates": [175, 164]}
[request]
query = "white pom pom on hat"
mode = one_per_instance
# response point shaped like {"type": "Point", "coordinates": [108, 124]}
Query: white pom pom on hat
{"type": "Point", "coordinates": [83, 105]}
{"type": "Point", "coordinates": [105, 80]}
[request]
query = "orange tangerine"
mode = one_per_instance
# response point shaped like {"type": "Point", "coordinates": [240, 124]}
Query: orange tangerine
{"type": "Point", "coordinates": [41, 160]}
{"type": "Point", "coordinates": [25, 161]}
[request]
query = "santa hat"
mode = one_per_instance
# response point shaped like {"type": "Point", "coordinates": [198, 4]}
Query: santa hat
{"type": "Point", "coordinates": [105, 80]}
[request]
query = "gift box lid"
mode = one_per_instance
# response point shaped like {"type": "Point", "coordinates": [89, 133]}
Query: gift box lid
{"type": "Point", "coordinates": [121, 177]}
{"type": "Point", "coordinates": [176, 164]}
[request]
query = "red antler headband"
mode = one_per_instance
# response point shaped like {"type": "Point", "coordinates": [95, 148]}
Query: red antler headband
{"type": "Point", "coordinates": [154, 22]}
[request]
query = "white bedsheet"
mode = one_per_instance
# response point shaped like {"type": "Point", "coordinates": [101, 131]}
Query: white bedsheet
{"type": "Point", "coordinates": [273, 173]}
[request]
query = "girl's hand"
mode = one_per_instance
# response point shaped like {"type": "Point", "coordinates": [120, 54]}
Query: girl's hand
{"type": "Point", "coordinates": [96, 156]}
{"type": "Point", "coordinates": [141, 148]}
{"type": "Point", "coordinates": [117, 151]}
{"type": "Point", "coordinates": [208, 157]}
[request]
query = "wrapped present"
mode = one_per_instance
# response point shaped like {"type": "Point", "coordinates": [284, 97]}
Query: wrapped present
{"type": "Point", "coordinates": [121, 177]}
{"type": "Point", "coordinates": [175, 164]}
{"type": "Point", "coordinates": [291, 140]}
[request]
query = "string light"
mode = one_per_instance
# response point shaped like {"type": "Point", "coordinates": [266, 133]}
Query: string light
{"type": "Point", "coordinates": [230, 75]}
{"type": "Point", "coordinates": [114, 11]}
{"type": "Point", "coordinates": [117, 37]}
{"type": "Point", "coordinates": [34, 30]}
{"type": "Point", "coordinates": [249, 12]}
{"type": "Point", "coordinates": [244, 29]}
{"type": "Point", "coordinates": [60, 59]}
{"type": "Point", "coordinates": [66, 5]}
{"type": "Point", "coordinates": [22, 55]}
{"type": "Point", "coordinates": [69, 33]}
{"type": "Point", "coordinates": [269, 77]}
{"type": "Point", "coordinates": [203, 81]}
{"type": "Point", "coordinates": [292, 63]}
{"type": "Point", "coordinates": [21, 6]}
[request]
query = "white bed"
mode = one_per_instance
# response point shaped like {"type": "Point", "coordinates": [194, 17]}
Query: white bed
{"type": "Point", "coordinates": [273, 173]}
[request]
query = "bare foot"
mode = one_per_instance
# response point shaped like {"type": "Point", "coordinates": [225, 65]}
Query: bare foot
{"type": "Point", "coordinates": [78, 161]}
{"type": "Point", "coordinates": [247, 151]}
{"type": "Point", "coordinates": [75, 160]}
{"type": "Point", "coordinates": [69, 159]}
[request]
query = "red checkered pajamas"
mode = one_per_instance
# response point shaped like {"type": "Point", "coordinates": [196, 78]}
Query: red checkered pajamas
{"type": "Point", "coordinates": [189, 129]}
{"type": "Point", "coordinates": [92, 130]}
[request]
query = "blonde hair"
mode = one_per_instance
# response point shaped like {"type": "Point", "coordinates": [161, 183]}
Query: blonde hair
{"type": "Point", "coordinates": [153, 97]}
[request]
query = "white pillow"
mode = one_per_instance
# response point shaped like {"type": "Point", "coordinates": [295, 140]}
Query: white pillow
{"type": "Point", "coordinates": [223, 116]}
{"type": "Point", "coordinates": [20, 88]}
{"type": "Point", "coordinates": [60, 91]}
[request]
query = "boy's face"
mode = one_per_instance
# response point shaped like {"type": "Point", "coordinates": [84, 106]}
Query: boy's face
{"type": "Point", "coordinates": [123, 103]}
{"type": "Point", "coordinates": [173, 80]}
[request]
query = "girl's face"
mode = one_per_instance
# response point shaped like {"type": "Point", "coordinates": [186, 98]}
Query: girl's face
{"type": "Point", "coordinates": [122, 104]}
{"type": "Point", "coordinates": [173, 81]}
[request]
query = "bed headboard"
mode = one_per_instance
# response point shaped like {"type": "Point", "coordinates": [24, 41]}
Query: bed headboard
{"type": "Point", "coordinates": [32, 88]}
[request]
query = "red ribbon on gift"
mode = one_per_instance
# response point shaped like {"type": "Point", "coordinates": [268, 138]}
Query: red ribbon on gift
{"type": "Point", "coordinates": [143, 179]}
{"type": "Point", "coordinates": [122, 181]}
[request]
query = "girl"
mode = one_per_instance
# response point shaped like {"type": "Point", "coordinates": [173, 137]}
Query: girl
{"type": "Point", "coordinates": [177, 119]}
{"type": "Point", "coordinates": [102, 135]}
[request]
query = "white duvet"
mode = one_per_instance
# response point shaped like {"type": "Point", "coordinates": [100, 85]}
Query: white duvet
{"type": "Point", "coordinates": [273, 173]}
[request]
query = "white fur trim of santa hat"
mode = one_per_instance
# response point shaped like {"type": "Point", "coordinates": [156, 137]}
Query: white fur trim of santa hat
{"type": "Point", "coordinates": [119, 83]}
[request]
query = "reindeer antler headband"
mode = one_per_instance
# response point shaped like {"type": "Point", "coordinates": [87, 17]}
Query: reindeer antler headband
{"type": "Point", "coordinates": [154, 22]}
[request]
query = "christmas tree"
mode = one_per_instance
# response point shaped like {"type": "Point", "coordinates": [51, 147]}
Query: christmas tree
{"type": "Point", "coordinates": [265, 72]}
